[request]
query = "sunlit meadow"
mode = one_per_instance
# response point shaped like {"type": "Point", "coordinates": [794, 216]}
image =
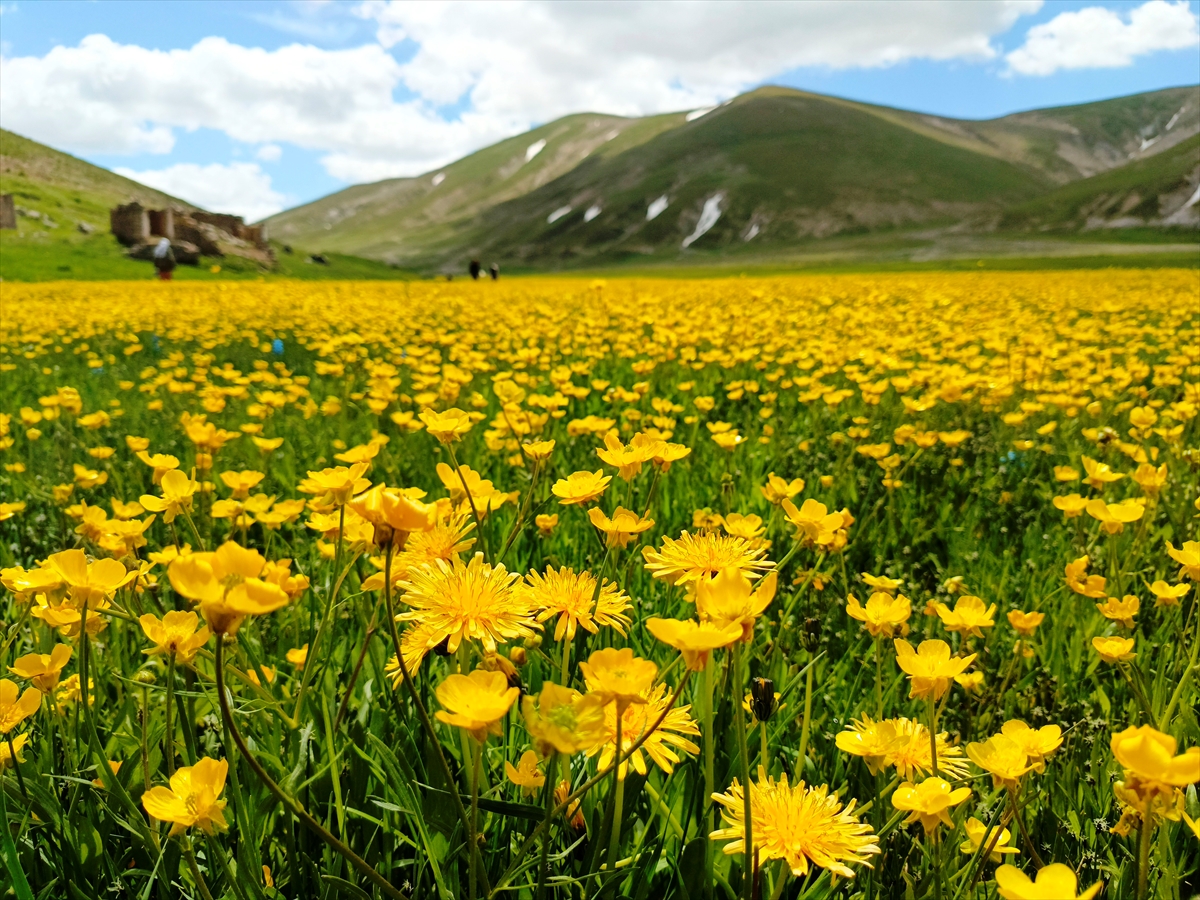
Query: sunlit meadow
{"type": "Point", "coordinates": [837, 586]}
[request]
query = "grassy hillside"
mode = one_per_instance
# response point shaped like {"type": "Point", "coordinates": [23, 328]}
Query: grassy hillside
{"type": "Point", "coordinates": [1147, 191]}
{"type": "Point", "coordinates": [65, 192]}
{"type": "Point", "coordinates": [787, 168]}
{"type": "Point", "coordinates": [422, 216]}
{"type": "Point", "coordinates": [797, 165]}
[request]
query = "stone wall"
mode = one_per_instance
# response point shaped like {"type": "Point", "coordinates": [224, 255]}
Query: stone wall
{"type": "Point", "coordinates": [8, 211]}
{"type": "Point", "coordinates": [130, 224]}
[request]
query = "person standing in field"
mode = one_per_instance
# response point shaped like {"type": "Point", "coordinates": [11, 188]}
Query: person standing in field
{"type": "Point", "coordinates": [164, 260]}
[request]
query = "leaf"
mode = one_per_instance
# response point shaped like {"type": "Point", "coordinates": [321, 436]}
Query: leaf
{"type": "Point", "coordinates": [11, 861]}
{"type": "Point", "coordinates": [342, 886]}
{"type": "Point", "coordinates": [691, 867]}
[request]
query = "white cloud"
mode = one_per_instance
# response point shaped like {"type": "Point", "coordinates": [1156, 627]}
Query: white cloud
{"type": "Point", "coordinates": [1099, 38]}
{"type": "Point", "coordinates": [516, 62]}
{"type": "Point", "coordinates": [269, 153]}
{"type": "Point", "coordinates": [240, 188]}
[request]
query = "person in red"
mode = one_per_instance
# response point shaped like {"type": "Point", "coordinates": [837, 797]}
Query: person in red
{"type": "Point", "coordinates": [164, 260]}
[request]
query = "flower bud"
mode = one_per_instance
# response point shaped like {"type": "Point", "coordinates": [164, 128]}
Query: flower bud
{"type": "Point", "coordinates": [518, 657]}
{"type": "Point", "coordinates": [762, 698]}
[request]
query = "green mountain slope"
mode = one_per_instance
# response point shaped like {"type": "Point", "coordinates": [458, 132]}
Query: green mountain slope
{"type": "Point", "coordinates": [777, 165]}
{"type": "Point", "coordinates": [788, 166]}
{"type": "Point", "coordinates": [1160, 190]}
{"type": "Point", "coordinates": [63, 232]}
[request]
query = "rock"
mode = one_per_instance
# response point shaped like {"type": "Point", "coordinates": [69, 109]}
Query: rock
{"type": "Point", "coordinates": [85, 228]}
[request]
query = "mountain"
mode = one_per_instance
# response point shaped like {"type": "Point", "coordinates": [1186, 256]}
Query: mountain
{"type": "Point", "coordinates": [1160, 190]}
{"type": "Point", "coordinates": [763, 173]}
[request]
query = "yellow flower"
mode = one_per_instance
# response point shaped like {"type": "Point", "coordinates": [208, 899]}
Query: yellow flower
{"type": "Point", "coordinates": [297, 656]}
{"type": "Point", "coordinates": [1054, 882]}
{"type": "Point", "coordinates": [1115, 516]}
{"type": "Point", "coordinates": [241, 483]}
{"type": "Point", "coordinates": [476, 702]}
{"type": "Point", "coordinates": [930, 667]}
{"type": "Point", "coordinates": [882, 582]}
{"type": "Point", "coordinates": [1150, 479]}
{"type": "Point", "coordinates": [538, 451]}
{"type": "Point", "coordinates": [803, 826]}
{"type": "Point", "coordinates": [635, 719]}
{"type": "Point", "coordinates": [749, 527]}
{"type": "Point", "coordinates": [626, 459]}
{"type": "Point", "coordinates": [695, 640]}
{"type": "Point", "coordinates": [623, 527]}
{"type": "Point", "coordinates": [727, 599]}
{"type": "Point", "coordinates": [618, 676]}
{"type": "Point", "coordinates": [448, 426]}
{"type": "Point", "coordinates": [6, 756]}
{"type": "Point", "coordinates": [1038, 744]}
{"type": "Point", "coordinates": [337, 485]}
{"type": "Point", "coordinates": [363, 453]}
{"type": "Point", "coordinates": [393, 513]}
{"type": "Point", "coordinates": [161, 463]}
{"type": "Point", "coordinates": [1099, 474]}
{"type": "Point", "coordinates": [581, 487]}
{"type": "Point", "coordinates": [123, 510]}
{"type": "Point", "coordinates": [1066, 473]}
{"type": "Point", "coordinates": [971, 682]}
{"type": "Point", "coordinates": [929, 802]}
{"type": "Point", "coordinates": [574, 599]}
{"type": "Point", "coordinates": [695, 557]}
{"type": "Point", "coordinates": [1149, 755]}
{"type": "Point", "coordinates": [525, 774]}
{"type": "Point", "coordinates": [969, 616]}
{"type": "Point", "coordinates": [456, 602]}
{"type": "Point", "coordinates": [1080, 582]}
{"type": "Point", "coordinates": [268, 675]}
{"type": "Point", "coordinates": [666, 453]}
{"type": "Point", "coordinates": [1072, 505]}
{"type": "Point", "coordinates": [43, 669]}
{"type": "Point", "coordinates": [1114, 649]}
{"type": "Point", "coordinates": [1122, 610]}
{"type": "Point", "coordinates": [69, 692]}
{"type": "Point", "coordinates": [1188, 557]}
{"type": "Point", "coordinates": [1003, 757]}
{"type": "Point", "coordinates": [564, 720]}
{"type": "Point", "coordinates": [776, 490]}
{"type": "Point", "coordinates": [8, 510]}
{"type": "Point", "coordinates": [194, 798]}
{"type": "Point", "coordinates": [1025, 623]}
{"type": "Point", "coordinates": [1166, 595]}
{"type": "Point", "coordinates": [902, 743]}
{"type": "Point", "coordinates": [177, 491]}
{"type": "Point", "coordinates": [89, 478]}
{"type": "Point", "coordinates": [175, 633]}
{"type": "Point", "coordinates": [227, 586]}
{"type": "Point", "coordinates": [546, 523]}
{"type": "Point", "coordinates": [813, 521]}
{"type": "Point", "coordinates": [977, 831]}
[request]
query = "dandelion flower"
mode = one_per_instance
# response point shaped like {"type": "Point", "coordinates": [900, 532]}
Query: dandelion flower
{"type": "Point", "coordinates": [803, 826]}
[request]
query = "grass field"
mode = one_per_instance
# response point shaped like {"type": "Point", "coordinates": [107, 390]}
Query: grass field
{"type": "Point", "coordinates": [370, 583]}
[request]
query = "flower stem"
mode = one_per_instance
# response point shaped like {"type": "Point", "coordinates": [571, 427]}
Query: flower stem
{"type": "Point", "coordinates": [804, 725]}
{"type": "Point", "coordinates": [289, 802]}
{"type": "Point", "coordinates": [201, 884]}
{"type": "Point", "coordinates": [476, 767]}
{"type": "Point", "coordinates": [1143, 873]}
{"type": "Point", "coordinates": [614, 841]}
{"type": "Point", "coordinates": [878, 677]}
{"type": "Point", "coordinates": [548, 802]}
{"type": "Point", "coordinates": [709, 765]}
{"type": "Point", "coordinates": [422, 713]}
{"type": "Point", "coordinates": [933, 759]}
{"type": "Point", "coordinates": [739, 720]}
{"type": "Point", "coordinates": [168, 734]}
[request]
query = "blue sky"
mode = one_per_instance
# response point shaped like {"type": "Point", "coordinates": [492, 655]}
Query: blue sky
{"type": "Point", "coordinates": [255, 106]}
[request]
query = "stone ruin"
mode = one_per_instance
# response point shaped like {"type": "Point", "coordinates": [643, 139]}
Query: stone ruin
{"type": "Point", "coordinates": [192, 234]}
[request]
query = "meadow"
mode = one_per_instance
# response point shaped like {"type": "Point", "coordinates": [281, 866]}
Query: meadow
{"type": "Point", "coordinates": [853, 586]}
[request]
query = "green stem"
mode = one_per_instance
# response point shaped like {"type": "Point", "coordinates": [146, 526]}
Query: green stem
{"type": "Point", "coordinates": [289, 802]}
{"type": "Point", "coordinates": [709, 766]}
{"type": "Point", "coordinates": [422, 713]}
{"type": "Point", "coordinates": [548, 802]}
{"type": "Point", "coordinates": [739, 724]}
{"type": "Point", "coordinates": [878, 677]}
{"type": "Point", "coordinates": [933, 759]}
{"type": "Point", "coordinates": [1143, 873]}
{"type": "Point", "coordinates": [169, 733]}
{"type": "Point", "coordinates": [808, 690]}
{"type": "Point", "coordinates": [614, 841]}
{"type": "Point", "coordinates": [476, 767]}
{"type": "Point", "coordinates": [201, 884]}
{"type": "Point", "coordinates": [310, 665]}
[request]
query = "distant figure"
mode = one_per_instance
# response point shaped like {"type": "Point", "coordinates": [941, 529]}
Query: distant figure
{"type": "Point", "coordinates": [164, 259]}
{"type": "Point", "coordinates": [475, 269]}
{"type": "Point", "coordinates": [287, 248]}
{"type": "Point", "coordinates": [319, 258]}
{"type": "Point", "coordinates": [495, 270]}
